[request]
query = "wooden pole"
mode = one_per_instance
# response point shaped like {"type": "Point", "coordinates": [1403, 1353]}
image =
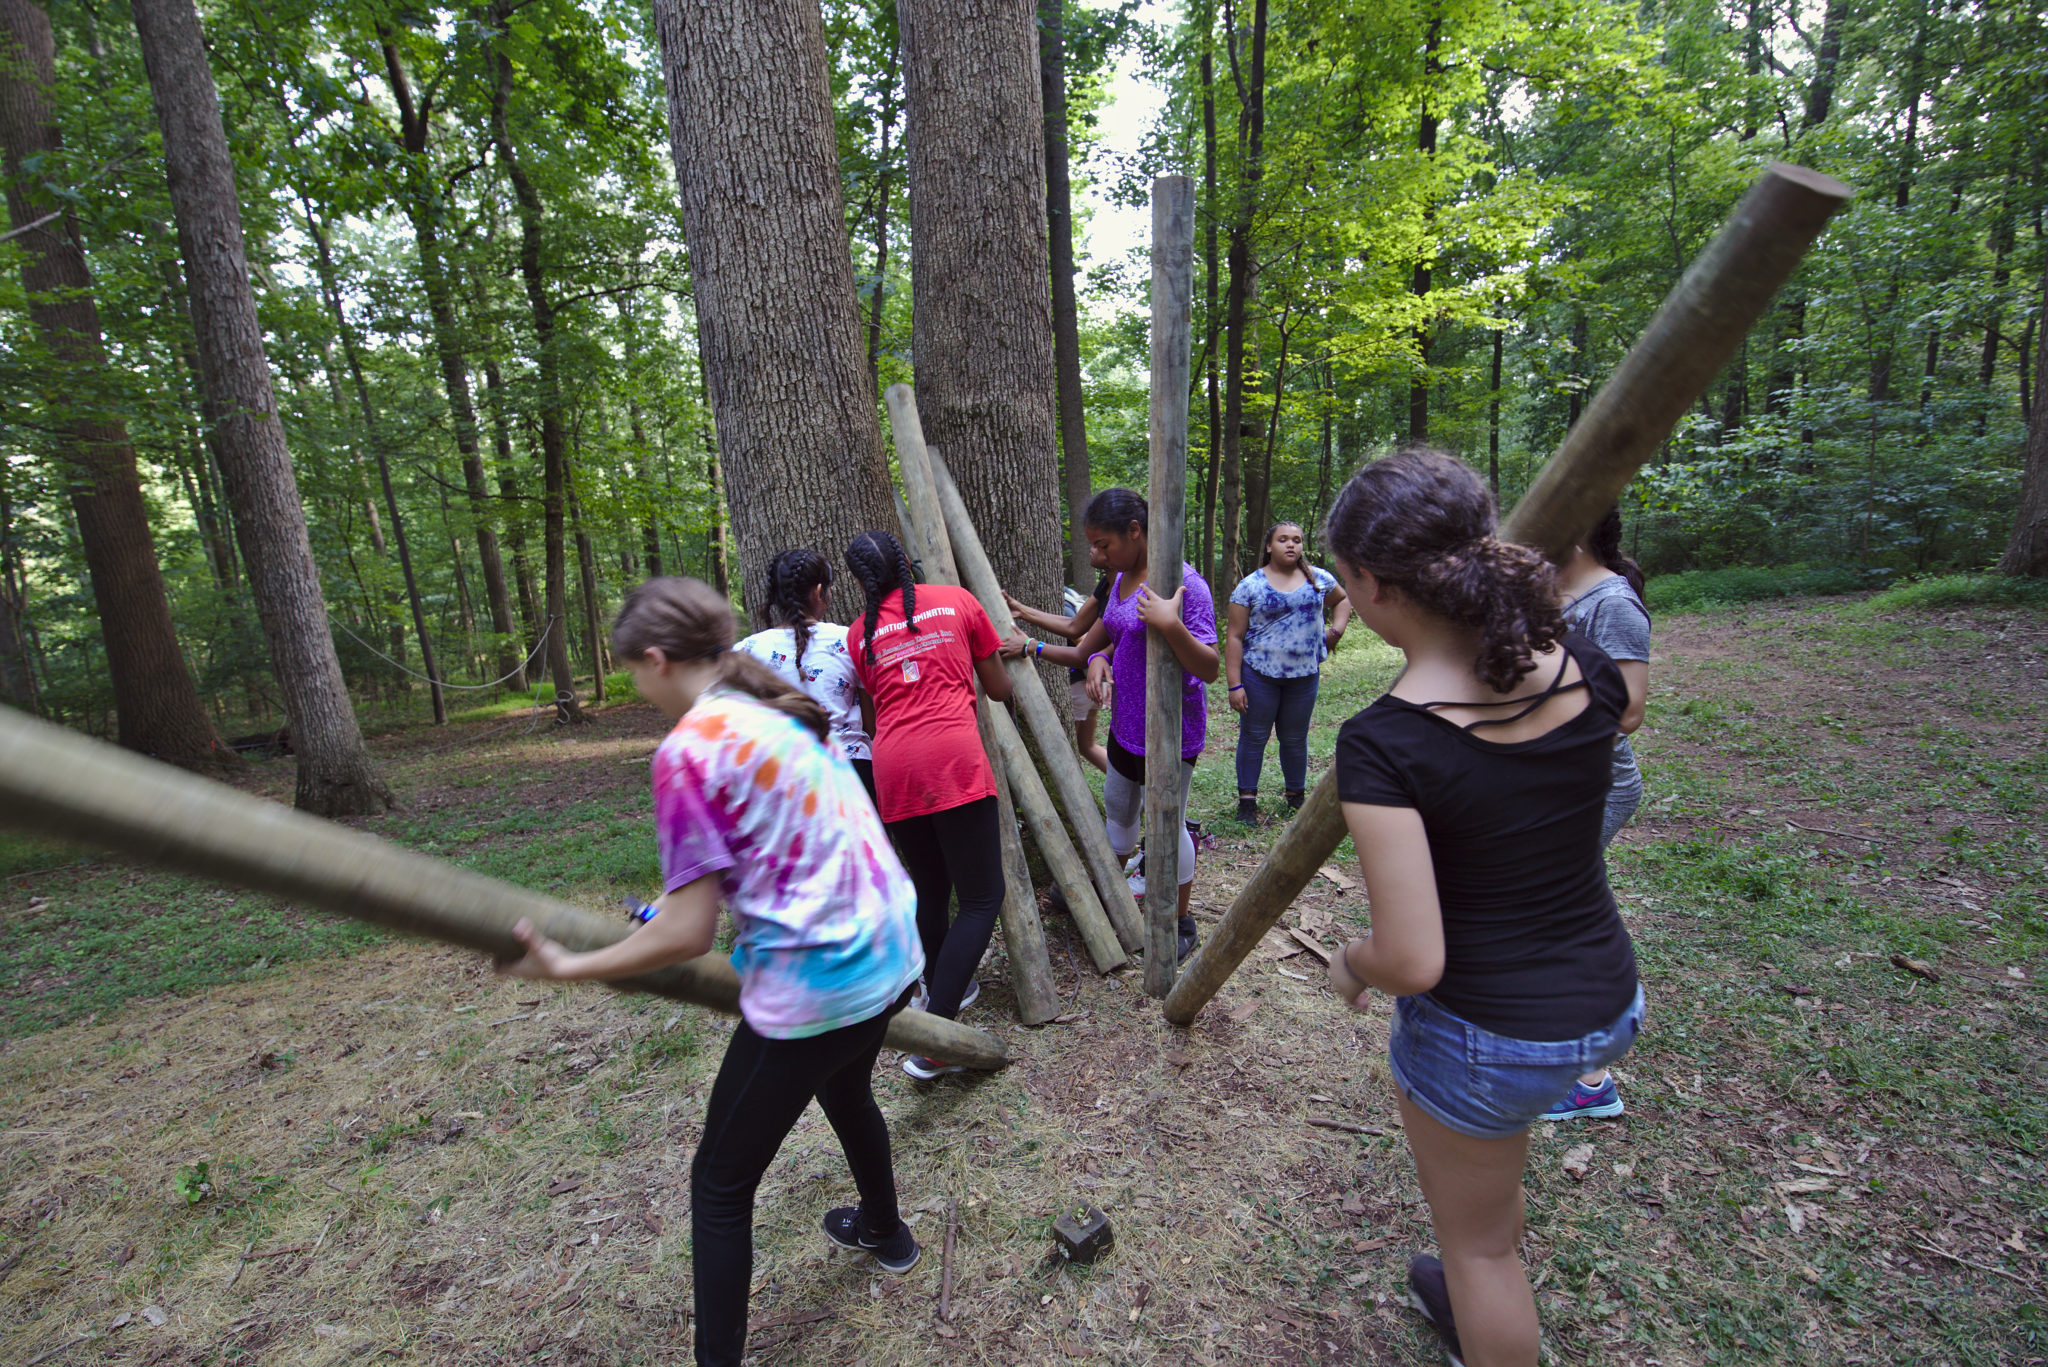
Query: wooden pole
{"type": "Point", "coordinates": [70, 787]}
{"type": "Point", "coordinates": [1702, 321]}
{"type": "Point", "coordinates": [1042, 819]}
{"type": "Point", "coordinates": [1173, 293]}
{"type": "Point", "coordinates": [1023, 931]}
{"type": "Point", "coordinates": [1049, 729]}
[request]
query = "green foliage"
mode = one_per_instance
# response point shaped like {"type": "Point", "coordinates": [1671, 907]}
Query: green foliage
{"type": "Point", "coordinates": [1960, 590]}
{"type": "Point", "coordinates": [1692, 590]}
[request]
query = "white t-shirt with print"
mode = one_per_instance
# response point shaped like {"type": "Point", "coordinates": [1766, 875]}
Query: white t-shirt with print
{"type": "Point", "coordinates": [827, 675]}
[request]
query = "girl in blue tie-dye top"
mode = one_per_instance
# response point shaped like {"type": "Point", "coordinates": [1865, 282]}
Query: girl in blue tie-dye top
{"type": "Point", "coordinates": [754, 809]}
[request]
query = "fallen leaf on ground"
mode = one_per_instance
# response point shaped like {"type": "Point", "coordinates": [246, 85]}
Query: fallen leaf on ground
{"type": "Point", "coordinates": [155, 1315]}
{"type": "Point", "coordinates": [1577, 1159]}
{"type": "Point", "coordinates": [1795, 1217]}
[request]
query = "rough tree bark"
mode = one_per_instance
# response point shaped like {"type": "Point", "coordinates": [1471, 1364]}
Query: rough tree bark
{"type": "Point", "coordinates": [335, 776]}
{"type": "Point", "coordinates": [1251, 151]}
{"type": "Point", "coordinates": [2027, 552]}
{"type": "Point", "coordinates": [778, 319]}
{"type": "Point", "coordinates": [156, 704]}
{"type": "Point", "coordinates": [1066, 325]}
{"type": "Point", "coordinates": [424, 205]}
{"type": "Point", "coordinates": [1210, 318]}
{"type": "Point", "coordinates": [981, 326]}
{"type": "Point", "coordinates": [554, 437]}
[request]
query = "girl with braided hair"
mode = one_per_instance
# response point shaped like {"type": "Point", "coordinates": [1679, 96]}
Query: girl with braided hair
{"type": "Point", "coordinates": [1474, 791]}
{"type": "Point", "coordinates": [809, 651]}
{"type": "Point", "coordinates": [919, 651]}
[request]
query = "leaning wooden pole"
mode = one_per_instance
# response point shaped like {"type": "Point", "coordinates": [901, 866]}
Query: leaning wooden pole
{"type": "Point", "coordinates": [1023, 931]}
{"type": "Point", "coordinates": [1042, 819]}
{"type": "Point", "coordinates": [1048, 728]}
{"type": "Point", "coordinates": [1702, 321]}
{"type": "Point", "coordinates": [1173, 295]}
{"type": "Point", "coordinates": [58, 783]}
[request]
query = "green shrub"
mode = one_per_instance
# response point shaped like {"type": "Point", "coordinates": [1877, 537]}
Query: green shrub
{"type": "Point", "coordinates": [1697, 589]}
{"type": "Point", "coordinates": [1959, 590]}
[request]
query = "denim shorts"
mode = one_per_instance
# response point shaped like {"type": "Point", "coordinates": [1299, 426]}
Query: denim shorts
{"type": "Point", "coordinates": [1489, 1086]}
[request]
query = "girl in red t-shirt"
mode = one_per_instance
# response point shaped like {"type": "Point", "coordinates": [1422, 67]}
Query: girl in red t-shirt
{"type": "Point", "coordinates": [918, 653]}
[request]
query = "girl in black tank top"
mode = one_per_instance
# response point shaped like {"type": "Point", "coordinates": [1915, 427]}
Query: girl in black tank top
{"type": "Point", "coordinates": [1474, 792]}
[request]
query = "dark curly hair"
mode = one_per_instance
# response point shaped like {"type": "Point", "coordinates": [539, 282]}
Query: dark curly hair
{"type": "Point", "coordinates": [687, 619]}
{"type": "Point", "coordinates": [878, 562]}
{"type": "Point", "coordinates": [1605, 546]}
{"type": "Point", "coordinates": [1423, 523]}
{"type": "Point", "coordinates": [791, 577]}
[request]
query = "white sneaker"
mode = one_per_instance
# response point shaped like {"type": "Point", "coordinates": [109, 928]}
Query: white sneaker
{"type": "Point", "coordinates": [921, 1000]}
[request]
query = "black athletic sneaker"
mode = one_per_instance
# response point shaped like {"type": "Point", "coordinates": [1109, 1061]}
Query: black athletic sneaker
{"type": "Point", "coordinates": [1295, 797]}
{"type": "Point", "coordinates": [1188, 939]}
{"type": "Point", "coordinates": [1248, 811]}
{"type": "Point", "coordinates": [896, 1254]}
{"type": "Point", "coordinates": [1432, 1300]}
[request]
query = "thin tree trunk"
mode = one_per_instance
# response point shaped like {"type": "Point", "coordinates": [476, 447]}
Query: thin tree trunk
{"type": "Point", "coordinates": [2027, 552]}
{"type": "Point", "coordinates": [643, 455]}
{"type": "Point", "coordinates": [1251, 143]}
{"type": "Point", "coordinates": [424, 205]}
{"type": "Point", "coordinates": [1262, 493]}
{"type": "Point", "coordinates": [331, 285]}
{"type": "Point", "coordinates": [156, 704]}
{"type": "Point", "coordinates": [1820, 90]}
{"type": "Point", "coordinates": [17, 673]}
{"type": "Point", "coordinates": [465, 617]}
{"type": "Point", "coordinates": [1493, 415]}
{"type": "Point", "coordinates": [515, 525]}
{"type": "Point", "coordinates": [981, 326]}
{"type": "Point", "coordinates": [1419, 281]}
{"type": "Point", "coordinates": [1210, 318]}
{"type": "Point", "coordinates": [1066, 326]}
{"type": "Point", "coordinates": [778, 320]}
{"type": "Point", "coordinates": [335, 776]}
{"type": "Point", "coordinates": [593, 630]}
{"type": "Point", "coordinates": [553, 436]}
{"type": "Point", "coordinates": [884, 187]}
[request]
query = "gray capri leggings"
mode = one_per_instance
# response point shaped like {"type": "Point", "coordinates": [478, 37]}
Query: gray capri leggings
{"type": "Point", "coordinates": [1123, 802]}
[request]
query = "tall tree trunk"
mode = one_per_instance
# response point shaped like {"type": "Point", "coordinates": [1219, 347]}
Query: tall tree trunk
{"type": "Point", "coordinates": [593, 627]}
{"type": "Point", "coordinates": [778, 320]}
{"type": "Point", "coordinates": [335, 776]}
{"type": "Point", "coordinates": [885, 178]}
{"type": "Point", "coordinates": [1493, 415]}
{"type": "Point", "coordinates": [1210, 318]}
{"type": "Point", "coordinates": [1820, 90]}
{"type": "Point", "coordinates": [17, 673]}
{"type": "Point", "coordinates": [1327, 454]}
{"type": "Point", "coordinates": [981, 328]}
{"type": "Point", "coordinates": [714, 478]}
{"type": "Point", "coordinates": [1419, 280]}
{"type": "Point", "coordinates": [1262, 487]}
{"type": "Point", "coordinates": [554, 441]}
{"type": "Point", "coordinates": [2027, 552]}
{"type": "Point", "coordinates": [643, 455]}
{"type": "Point", "coordinates": [1066, 325]}
{"type": "Point", "coordinates": [424, 206]}
{"type": "Point", "coordinates": [515, 525]}
{"type": "Point", "coordinates": [331, 285]}
{"type": "Point", "coordinates": [1251, 148]}
{"type": "Point", "coordinates": [1902, 191]}
{"type": "Point", "coordinates": [156, 704]}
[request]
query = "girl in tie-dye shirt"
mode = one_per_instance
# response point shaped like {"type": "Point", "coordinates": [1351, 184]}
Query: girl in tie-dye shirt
{"type": "Point", "coordinates": [753, 808]}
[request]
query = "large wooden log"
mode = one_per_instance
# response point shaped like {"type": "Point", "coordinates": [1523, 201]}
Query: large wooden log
{"type": "Point", "coordinates": [1702, 321]}
{"type": "Point", "coordinates": [57, 783]}
{"type": "Point", "coordinates": [1046, 723]}
{"type": "Point", "coordinates": [1173, 295]}
{"type": "Point", "coordinates": [1023, 931]}
{"type": "Point", "coordinates": [1042, 819]}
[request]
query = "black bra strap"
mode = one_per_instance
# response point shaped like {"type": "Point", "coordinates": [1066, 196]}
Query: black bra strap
{"type": "Point", "coordinates": [1557, 686]}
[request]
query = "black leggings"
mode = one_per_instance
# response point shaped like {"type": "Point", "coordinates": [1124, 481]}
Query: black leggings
{"type": "Point", "coordinates": [762, 1089]}
{"type": "Point", "coordinates": [958, 851]}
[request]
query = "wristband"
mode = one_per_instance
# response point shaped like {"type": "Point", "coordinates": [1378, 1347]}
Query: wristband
{"type": "Point", "coordinates": [1098, 655]}
{"type": "Point", "coordinates": [1237, 688]}
{"type": "Point", "coordinates": [1039, 653]}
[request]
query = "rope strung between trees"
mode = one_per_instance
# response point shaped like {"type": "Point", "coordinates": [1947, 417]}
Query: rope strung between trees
{"type": "Point", "coordinates": [532, 655]}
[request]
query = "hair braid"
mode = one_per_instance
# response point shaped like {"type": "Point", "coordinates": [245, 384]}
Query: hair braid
{"type": "Point", "coordinates": [878, 561]}
{"type": "Point", "coordinates": [686, 619]}
{"type": "Point", "coordinates": [792, 576]}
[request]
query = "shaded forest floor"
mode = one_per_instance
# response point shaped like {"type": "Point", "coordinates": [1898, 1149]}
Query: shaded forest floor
{"type": "Point", "coordinates": [230, 1132]}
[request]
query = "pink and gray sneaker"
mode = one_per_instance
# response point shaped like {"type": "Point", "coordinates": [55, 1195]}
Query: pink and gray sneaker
{"type": "Point", "coordinates": [1588, 1103]}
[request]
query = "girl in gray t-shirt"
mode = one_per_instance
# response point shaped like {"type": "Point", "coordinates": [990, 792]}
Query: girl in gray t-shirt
{"type": "Point", "coordinates": [1603, 601]}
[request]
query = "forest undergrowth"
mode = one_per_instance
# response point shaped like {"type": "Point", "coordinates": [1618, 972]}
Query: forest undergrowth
{"type": "Point", "coordinates": [233, 1132]}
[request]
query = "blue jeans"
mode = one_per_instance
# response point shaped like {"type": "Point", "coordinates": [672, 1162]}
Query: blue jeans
{"type": "Point", "coordinates": [1289, 703]}
{"type": "Point", "coordinates": [1490, 1086]}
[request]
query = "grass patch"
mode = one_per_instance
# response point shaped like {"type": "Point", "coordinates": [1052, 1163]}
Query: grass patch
{"type": "Point", "coordinates": [1959, 590]}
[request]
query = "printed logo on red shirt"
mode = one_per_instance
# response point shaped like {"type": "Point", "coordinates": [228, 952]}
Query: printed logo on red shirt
{"type": "Point", "coordinates": [910, 671]}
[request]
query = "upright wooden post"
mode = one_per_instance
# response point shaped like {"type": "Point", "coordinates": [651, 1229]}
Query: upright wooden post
{"type": "Point", "coordinates": [1048, 727]}
{"type": "Point", "coordinates": [1023, 932]}
{"type": "Point", "coordinates": [72, 788]}
{"type": "Point", "coordinates": [1702, 321]}
{"type": "Point", "coordinates": [1173, 293]}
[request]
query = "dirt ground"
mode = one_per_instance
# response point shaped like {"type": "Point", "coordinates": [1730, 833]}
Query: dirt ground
{"type": "Point", "coordinates": [1828, 1156]}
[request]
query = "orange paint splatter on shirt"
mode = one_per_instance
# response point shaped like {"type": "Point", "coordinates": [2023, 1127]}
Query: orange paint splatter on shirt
{"type": "Point", "coordinates": [811, 803]}
{"type": "Point", "coordinates": [764, 777]}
